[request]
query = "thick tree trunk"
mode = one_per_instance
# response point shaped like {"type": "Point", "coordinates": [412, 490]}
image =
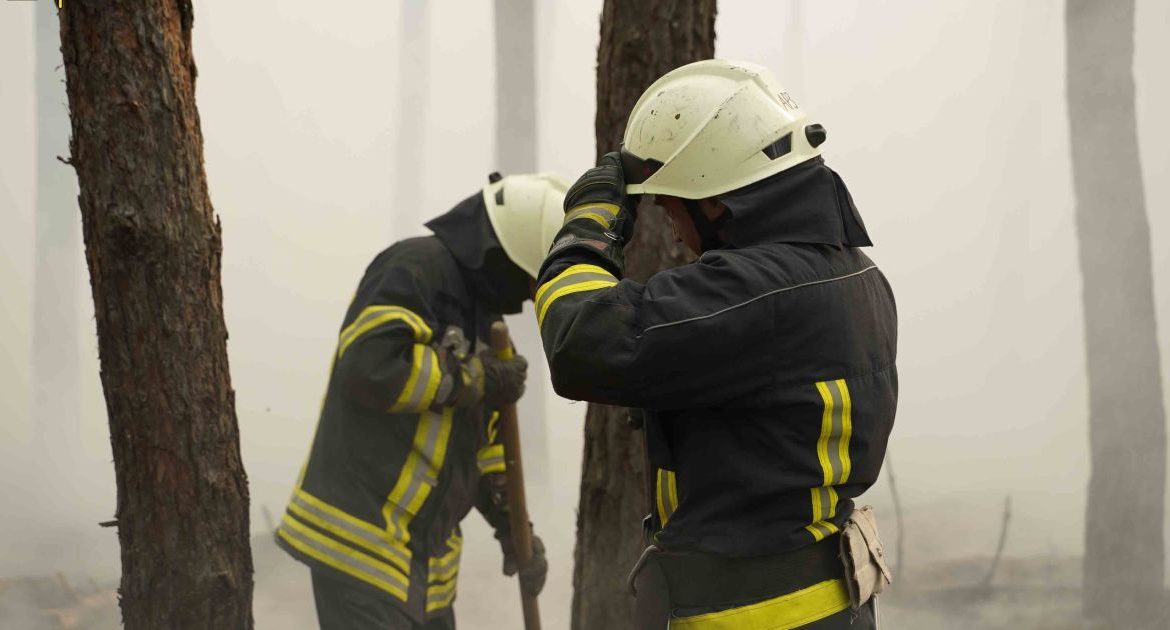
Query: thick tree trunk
{"type": "Point", "coordinates": [1123, 571]}
{"type": "Point", "coordinates": [153, 248]}
{"type": "Point", "coordinates": [640, 41]}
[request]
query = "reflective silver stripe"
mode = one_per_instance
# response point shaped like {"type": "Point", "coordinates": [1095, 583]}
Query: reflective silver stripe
{"type": "Point", "coordinates": [422, 467]}
{"type": "Point", "coordinates": [490, 463]}
{"type": "Point", "coordinates": [442, 598]}
{"type": "Point", "coordinates": [424, 378]}
{"type": "Point", "coordinates": [345, 559]}
{"type": "Point", "coordinates": [827, 506]}
{"type": "Point", "coordinates": [410, 319]}
{"type": "Point", "coordinates": [834, 443]}
{"type": "Point", "coordinates": [576, 278]}
{"type": "Point", "coordinates": [441, 568]}
{"type": "Point", "coordinates": [351, 529]}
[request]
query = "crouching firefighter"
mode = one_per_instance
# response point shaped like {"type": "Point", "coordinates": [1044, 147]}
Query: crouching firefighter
{"type": "Point", "coordinates": [407, 438]}
{"type": "Point", "coordinates": [765, 369]}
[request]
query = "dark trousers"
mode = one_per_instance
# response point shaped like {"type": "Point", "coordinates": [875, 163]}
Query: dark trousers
{"type": "Point", "coordinates": [340, 606]}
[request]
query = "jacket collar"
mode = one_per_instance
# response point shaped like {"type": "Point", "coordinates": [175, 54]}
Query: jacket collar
{"type": "Point", "coordinates": [805, 204]}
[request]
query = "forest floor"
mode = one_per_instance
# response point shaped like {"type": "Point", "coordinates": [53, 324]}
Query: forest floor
{"type": "Point", "coordinates": [1041, 593]}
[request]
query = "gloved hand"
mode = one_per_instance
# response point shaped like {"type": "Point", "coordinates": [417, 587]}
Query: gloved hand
{"type": "Point", "coordinates": [503, 379]}
{"type": "Point", "coordinates": [606, 183]}
{"type": "Point", "coordinates": [483, 379]}
{"type": "Point", "coordinates": [533, 574]}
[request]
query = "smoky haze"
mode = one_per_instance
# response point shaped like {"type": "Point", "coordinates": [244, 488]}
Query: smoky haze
{"type": "Point", "coordinates": [947, 120]}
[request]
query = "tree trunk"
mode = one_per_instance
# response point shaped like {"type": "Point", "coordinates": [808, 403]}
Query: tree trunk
{"type": "Point", "coordinates": [153, 248]}
{"type": "Point", "coordinates": [640, 41]}
{"type": "Point", "coordinates": [1123, 570]}
{"type": "Point", "coordinates": [515, 26]}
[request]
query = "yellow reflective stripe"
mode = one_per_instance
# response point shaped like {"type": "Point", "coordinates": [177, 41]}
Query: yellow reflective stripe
{"type": "Point", "coordinates": [846, 430]}
{"type": "Point", "coordinates": [440, 596]}
{"type": "Point", "coordinates": [490, 459]}
{"type": "Point", "coordinates": [826, 430]}
{"type": "Point", "coordinates": [352, 530]}
{"type": "Point", "coordinates": [374, 316]}
{"type": "Point", "coordinates": [658, 498]}
{"type": "Point", "coordinates": [343, 558]}
{"type": "Point", "coordinates": [603, 221]}
{"type": "Point", "coordinates": [665, 495]}
{"type": "Point", "coordinates": [602, 213]}
{"type": "Point", "coordinates": [590, 285]}
{"type": "Point", "coordinates": [570, 271]}
{"type": "Point", "coordinates": [832, 453]}
{"type": "Point", "coordinates": [419, 473]}
{"type": "Point", "coordinates": [445, 567]}
{"type": "Point", "coordinates": [793, 610]}
{"type": "Point", "coordinates": [672, 483]}
{"type": "Point", "coordinates": [419, 391]}
{"type": "Point", "coordinates": [493, 427]}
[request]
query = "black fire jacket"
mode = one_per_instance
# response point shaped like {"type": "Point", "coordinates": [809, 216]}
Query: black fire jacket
{"type": "Point", "coordinates": [767, 367]}
{"type": "Point", "coordinates": [391, 473]}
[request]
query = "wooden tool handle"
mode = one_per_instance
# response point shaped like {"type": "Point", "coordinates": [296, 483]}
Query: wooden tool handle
{"type": "Point", "coordinates": [514, 474]}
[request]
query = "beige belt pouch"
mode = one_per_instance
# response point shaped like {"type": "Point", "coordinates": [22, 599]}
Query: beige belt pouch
{"type": "Point", "coordinates": [866, 573]}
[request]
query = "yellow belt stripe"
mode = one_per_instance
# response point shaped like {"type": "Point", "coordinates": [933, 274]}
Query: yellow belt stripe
{"type": "Point", "coordinates": [591, 285]}
{"type": "Point", "coordinates": [793, 610]}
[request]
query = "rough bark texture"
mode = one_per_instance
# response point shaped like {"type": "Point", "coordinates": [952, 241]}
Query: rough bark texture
{"type": "Point", "coordinates": [1123, 571]}
{"type": "Point", "coordinates": [640, 41]}
{"type": "Point", "coordinates": [153, 248]}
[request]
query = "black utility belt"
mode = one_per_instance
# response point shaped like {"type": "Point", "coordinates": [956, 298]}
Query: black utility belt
{"type": "Point", "coordinates": [696, 579]}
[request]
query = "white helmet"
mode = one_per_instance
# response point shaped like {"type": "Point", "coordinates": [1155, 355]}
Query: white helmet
{"type": "Point", "coordinates": [526, 212]}
{"type": "Point", "coordinates": [713, 126]}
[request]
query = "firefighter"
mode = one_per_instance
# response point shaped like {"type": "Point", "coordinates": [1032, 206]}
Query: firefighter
{"type": "Point", "coordinates": [765, 369]}
{"type": "Point", "coordinates": [407, 440]}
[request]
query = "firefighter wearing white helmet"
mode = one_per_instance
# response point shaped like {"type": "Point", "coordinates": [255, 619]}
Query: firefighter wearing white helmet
{"type": "Point", "coordinates": [714, 126]}
{"type": "Point", "coordinates": [765, 369]}
{"type": "Point", "coordinates": [406, 443]}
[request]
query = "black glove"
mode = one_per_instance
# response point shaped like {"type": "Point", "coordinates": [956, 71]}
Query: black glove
{"type": "Point", "coordinates": [532, 574]}
{"type": "Point", "coordinates": [606, 183]}
{"type": "Point", "coordinates": [503, 379]}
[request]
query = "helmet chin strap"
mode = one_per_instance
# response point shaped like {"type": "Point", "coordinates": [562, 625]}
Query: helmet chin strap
{"type": "Point", "coordinates": [708, 229]}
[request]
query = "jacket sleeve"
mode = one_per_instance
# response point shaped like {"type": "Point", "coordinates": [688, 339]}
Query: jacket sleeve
{"type": "Point", "coordinates": [689, 337]}
{"type": "Point", "coordinates": [386, 358]}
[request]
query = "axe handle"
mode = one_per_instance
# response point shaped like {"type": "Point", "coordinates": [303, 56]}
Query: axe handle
{"type": "Point", "coordinates": [514, 474]}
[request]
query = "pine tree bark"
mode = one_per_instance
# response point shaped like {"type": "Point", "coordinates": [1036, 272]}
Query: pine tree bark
{"type": "Point", "coordinates": [1123, 567]}
{"type": "Point", "coordinates": [153, 248]}
{"type": "Point", "coordinates": [640, 41]}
